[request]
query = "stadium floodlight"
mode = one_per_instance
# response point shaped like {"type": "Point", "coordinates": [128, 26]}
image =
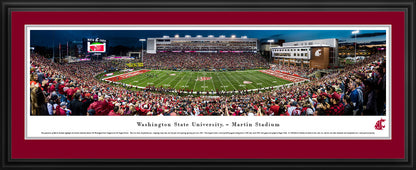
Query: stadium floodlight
{"type": "Point", "coordinates": [222, 36]}
{"type": "Point", "coordinates": [355, 33]}
{"type": "Point", "coordinates": [270, 47]}
{"type": "Point", "coordinates": [210, 36]}
{"type": "Point", "coordinates": [232, 36]}
{"type": "Point", "coordinates": [165, 36]}
{"type": "Point", "coordinates": [142, 40]}
{"type": "Point", "coordinates": [176, 36]}
{"type": "Point", "coordinates": [243, 36]}
{"type": "Point", "coordinates": [199, 36]}
{"type": "Point", "coordinates": [187, 36]}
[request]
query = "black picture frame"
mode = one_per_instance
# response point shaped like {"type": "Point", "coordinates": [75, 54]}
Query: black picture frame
{"type": "Point", "coordinates": [407, 6]}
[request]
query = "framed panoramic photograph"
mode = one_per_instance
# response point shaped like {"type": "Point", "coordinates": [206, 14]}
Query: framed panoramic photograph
{"type": "Point", "coordinates": [208, 84]}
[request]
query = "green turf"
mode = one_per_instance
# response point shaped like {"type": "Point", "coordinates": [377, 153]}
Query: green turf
{"type": "Point", "coordinates": [228, 81]}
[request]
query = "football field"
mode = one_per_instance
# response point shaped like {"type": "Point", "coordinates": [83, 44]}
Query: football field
{"type": "Point", "coordinates": [204, 81]}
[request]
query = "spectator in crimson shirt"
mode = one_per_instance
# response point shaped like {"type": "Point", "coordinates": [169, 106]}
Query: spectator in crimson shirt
{"type": "Point", "coordinates": [102, 108]}
{"type": "Point", "coordinates": [61, 92]}
{"type": "Point", "coordinates": [62, 110]}
{"type": "Point", "coordinates": [275, 108]}
{"type": "Point", "coordinates": [337, 108]}
{"type": "Point", "coordinates": [115, 111]}
{"type": "Point", "coordinates": [70, 92]}
{"type": "Point", "coordinates": [51, 87]}
{"type": "Point", "coordinates": [93, 106]}
{"type": "Point", "coordinates": [61, 88]}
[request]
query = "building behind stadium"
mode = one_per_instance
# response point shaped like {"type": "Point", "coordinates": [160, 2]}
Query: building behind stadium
{"type": "Point", "coordinates": [209, 44]}
{"type": "Point", "coordinates": [320, 54]}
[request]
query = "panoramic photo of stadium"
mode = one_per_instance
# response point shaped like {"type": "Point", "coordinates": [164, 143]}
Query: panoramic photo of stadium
{"type": "Point", "coordinates": [208, 72]}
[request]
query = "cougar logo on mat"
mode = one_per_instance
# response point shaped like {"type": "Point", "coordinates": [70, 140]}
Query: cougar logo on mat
{"type": "Point", "coordinates": [203, 78]}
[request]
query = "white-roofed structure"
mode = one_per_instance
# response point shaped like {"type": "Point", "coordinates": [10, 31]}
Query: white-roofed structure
{"type": "Point", "coordinates": [199, 43]}
{"type": "Point", "coordinates": [312, 53]}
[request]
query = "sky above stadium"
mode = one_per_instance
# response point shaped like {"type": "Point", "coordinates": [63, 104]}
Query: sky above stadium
{"type": "Point", "coordinates": [131, 37]}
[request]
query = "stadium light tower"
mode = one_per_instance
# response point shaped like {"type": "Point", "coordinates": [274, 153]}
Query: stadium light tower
{"type": "Point", "coordinates": [270, 47]}
{"type": "Point", "coordinates": [355, 33]}
{"type": "Point", "coordinates": [142, 40]}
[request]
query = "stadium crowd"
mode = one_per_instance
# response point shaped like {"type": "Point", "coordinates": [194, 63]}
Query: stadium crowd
{"type": "Point", "coordinates": [119, 64]}
{"type": "Point", "coordinates": [197, 61]}
{"type": "Point", "coordinates": [302, 71]}
{"type": "Point", "coordinates": [72, 89]}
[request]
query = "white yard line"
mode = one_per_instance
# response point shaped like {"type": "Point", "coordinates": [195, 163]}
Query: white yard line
{"type": "Point", "coordinates": [158, 79]}
{"type": "Point", "coordinates": [229, 81]}
{"type": "Point", "coordinates": [187, 82]}
{"type": "Point", "coordinates": [174, 79]}
{"type": "Point", "coordinates": [179, 81]}
{"type": "Point", "coordinates": [232, 78]}
{"type": "Point", "coordinates": [146, 79]}
{"type": "Point", "coordinates": [204, 80]}
{"type": "Point", "coordinates": [212, 80]}
{"type": "Point", "coordinates": [196, 81]}
{"type": "Point", "coordinates": [165, 80]}
{"type": "Point", "coordinates": [250, 79]}
{"type": "Point", "coordinates": [220, 80]}
{"type": "Point", "coordinates": [259, 79]}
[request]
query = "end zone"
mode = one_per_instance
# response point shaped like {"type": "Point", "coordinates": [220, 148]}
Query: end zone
{"type": "Point", "coordinates": [125, 75]}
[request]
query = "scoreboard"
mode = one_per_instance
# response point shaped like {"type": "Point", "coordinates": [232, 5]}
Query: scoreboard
{"type": "Point", "coordinates": [96, 45]}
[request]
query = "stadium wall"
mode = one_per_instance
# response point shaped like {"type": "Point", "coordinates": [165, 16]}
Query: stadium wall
{"type": "Point", "coordinates": [320, 57]}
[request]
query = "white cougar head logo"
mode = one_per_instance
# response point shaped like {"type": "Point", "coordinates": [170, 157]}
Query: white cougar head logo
{"type": "Point", "coordinates": [318, 52]}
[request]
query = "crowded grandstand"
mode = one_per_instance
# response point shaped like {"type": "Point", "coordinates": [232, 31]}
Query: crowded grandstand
{"type": "Point", "coordinates": [197, 61]}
